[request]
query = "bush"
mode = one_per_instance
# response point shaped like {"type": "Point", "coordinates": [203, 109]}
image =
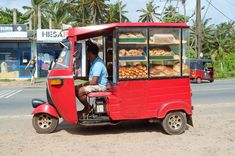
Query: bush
{"type": "Point", "coordinates": [225, 67]}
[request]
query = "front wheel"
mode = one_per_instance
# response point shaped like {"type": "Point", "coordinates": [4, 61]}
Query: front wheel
{"type": "Point", "coordinates": [44, 123]}
{"type": "Point", "coordinates": [211, 80]}
{"type": "Point", "coordinates": [174, 123]}
{"type": "Point", "coordinates": [198, 80]}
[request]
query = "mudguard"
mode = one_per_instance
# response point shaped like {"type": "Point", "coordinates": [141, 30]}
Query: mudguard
{"type": "Point", "coordinates": [46, 108]}
{"type": "Point", "coordinates": [174, 106]}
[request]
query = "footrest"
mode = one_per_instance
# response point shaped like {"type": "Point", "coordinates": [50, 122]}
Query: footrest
{"type": "Point", "coordinates": [99, 94]}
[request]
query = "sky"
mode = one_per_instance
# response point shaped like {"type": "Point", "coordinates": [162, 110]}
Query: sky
{"type": "Point", "coordinates": [225, 6]}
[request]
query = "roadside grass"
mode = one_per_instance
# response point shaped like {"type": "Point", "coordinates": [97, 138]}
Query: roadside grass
{"type": "Point", "coordinates": [7, 80]}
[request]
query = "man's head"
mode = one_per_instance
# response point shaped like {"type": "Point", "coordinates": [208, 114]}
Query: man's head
{"type": "Point", "coordinates": [92, 52]}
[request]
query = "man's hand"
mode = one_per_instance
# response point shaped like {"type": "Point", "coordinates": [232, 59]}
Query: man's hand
{"type": "Point", "coordinates": [94, 80]}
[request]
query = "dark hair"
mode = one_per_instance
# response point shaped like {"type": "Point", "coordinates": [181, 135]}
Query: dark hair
{"type": "Point", "coordinates": [93, 48]}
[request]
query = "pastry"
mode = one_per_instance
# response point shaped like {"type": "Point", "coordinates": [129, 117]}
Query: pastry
{"type": "Point", "coordinates": [131, 35]}
{"type": "Point", "coordinates": [176, 67]}
{"type": "Point", "coordinates": [164, 38]}
{"type": "Point", "coordinates": [133, 72]}
{"type": "Point", "coordinates": [161, 70]}
{"type": "Point", "coordinates": [159, 52]}
{"type": "Point", "coordinates": [122, 52]}
{"type": "Point", "coordinates": [132, 52]}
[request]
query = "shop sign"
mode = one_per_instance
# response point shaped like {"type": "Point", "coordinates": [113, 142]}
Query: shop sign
{"type": "Point", "coordinates": [13, 31]}
{"type": "Point", "coordinates": [12, 28]}
{"type": "Point", "coordinates": [51, 35]}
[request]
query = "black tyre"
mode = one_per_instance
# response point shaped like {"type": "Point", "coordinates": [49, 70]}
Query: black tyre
{"type": "Point", "coordinates": [44, 123]}
{"type": "Point", "coordinates": [211, 80]}
{"type": "Point", "coordinates": [198, 80]}
{"type": "Point", "coordinates": [174, 123]}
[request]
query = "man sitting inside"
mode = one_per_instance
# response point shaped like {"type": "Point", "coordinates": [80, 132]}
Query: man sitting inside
{"type": "Point", "coordinates": [98, 77]}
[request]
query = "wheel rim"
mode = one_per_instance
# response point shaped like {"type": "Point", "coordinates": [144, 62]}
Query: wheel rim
{"type": "Point", "coordinates": [44, 121]}
{"type": "Point", "coordinates": [175, 122]}
{"type": "Point", "coordinates": [198, 80]}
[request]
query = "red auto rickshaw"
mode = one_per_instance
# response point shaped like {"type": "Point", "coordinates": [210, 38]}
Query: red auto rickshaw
{"type": "Point", "coordinates": [148, 77]}
{"type": "Point", "coordinates": [201, 69]}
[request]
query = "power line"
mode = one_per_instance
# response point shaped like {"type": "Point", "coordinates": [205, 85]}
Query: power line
{"type": "Point", "coordinates": [219, 10]}
{"type": "Point", "coordinates": [206, 10]}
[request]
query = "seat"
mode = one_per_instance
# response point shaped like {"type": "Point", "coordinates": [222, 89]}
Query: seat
{"type": "Point", "coordinates": [99, 94]}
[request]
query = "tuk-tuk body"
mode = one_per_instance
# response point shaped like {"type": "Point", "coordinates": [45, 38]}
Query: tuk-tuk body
{"type": "Point", "coordinates": [201, 69]}
{"type": "Point", "coordinates": [151, 83]}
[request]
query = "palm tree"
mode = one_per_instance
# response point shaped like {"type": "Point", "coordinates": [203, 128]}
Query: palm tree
{"type": "Point", "coordinates": [7, 14]}
{"type": "Point", "coordinates": [34, 12]}
{"type": "Point", "coordinates": [170, 11]}
{"type": "Point", "coordinates": [224, 38]}
{"type": "Point", "coordinates": [149, 14]}
{"type": "Point", "coordinates": [116, 13]}
{"type": "Point", "coordinates": [208, 31]}
{"type": "Point", "coordinates": [80, 11]}
{"type": "Point", "coordinates": [57, 13]}
{"type": "Point", "coordinates": [97, 9]}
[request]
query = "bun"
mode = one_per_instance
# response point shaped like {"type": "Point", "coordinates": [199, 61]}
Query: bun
{"type": "Point", "coordinates": [132, 52]}
{"type": "Point", "coordinates": [131, 35]}
{"type": "Point", "coordinates": [133, 72]}
{"type": "Point", "coordinates": [159, 52]}
{"type": "Point", "coordinates": [160, 70]}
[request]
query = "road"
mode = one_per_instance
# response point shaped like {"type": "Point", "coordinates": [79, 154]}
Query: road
{"type": "Point", "coordinates": [220, 92]}
{"type": "Point", "coordinates": [213, 133]}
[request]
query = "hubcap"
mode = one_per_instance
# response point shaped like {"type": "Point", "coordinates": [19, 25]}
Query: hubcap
{"type": "Point", "coordinates": [175, 122]}
{"type": "Point", "coordinates": [44, 121]}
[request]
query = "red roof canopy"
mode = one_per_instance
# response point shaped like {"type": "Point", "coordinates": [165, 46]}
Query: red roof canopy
{"type": "Point", "coordinates": [97, 30]}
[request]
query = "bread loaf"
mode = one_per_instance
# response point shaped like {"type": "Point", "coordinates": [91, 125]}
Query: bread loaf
{"type": "Point", "coordinates": [132, 72]}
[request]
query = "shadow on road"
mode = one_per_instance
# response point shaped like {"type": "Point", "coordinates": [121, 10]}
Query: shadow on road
{"type": "Point", "coordinates": [203, 82]}
{"type": "Point", "coordinates": [122, 127]}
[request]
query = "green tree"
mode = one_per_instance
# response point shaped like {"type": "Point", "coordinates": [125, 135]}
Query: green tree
{"type": "Point", "coordinates": [79, 12]}
{"type": "Point", "coordinates": [97, 10]}
{"type": "Point", "coordinates": [57, 12]}
{"type": "Point", "coordinates": [149, 14]}
{"type": "Point", "coordinates": [224, 40]}
{"type": "Point", "coordinates": [34, 13]}
{"type": "Point", "coordinates": [6, 16]}
{"type": "Point", "coordinates": [170, 11]}
{"type": "Point", "coordinates": [171, 15]}
{"type": "Point", "coordinates": [114, 11]}
{"type": "Point", "coordinates": [208, 32]}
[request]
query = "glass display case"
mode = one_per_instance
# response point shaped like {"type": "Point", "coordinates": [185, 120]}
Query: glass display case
{"type": "Point", "coordinates": [132, 53]}
{"type": "Point", "coordinates": [152, 53]}
{"type": "Point", "coordinates": [164, 52]}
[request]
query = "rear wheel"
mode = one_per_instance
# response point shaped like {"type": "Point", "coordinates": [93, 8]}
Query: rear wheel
{"type": "Point", "coordinates": [174, 123]}
{"type": "Point", "coordinates": [44, 123]}
{"type": "Point", "coordinates": [198, 80]}
{"type": "Point", "coordinates": [211, 80]}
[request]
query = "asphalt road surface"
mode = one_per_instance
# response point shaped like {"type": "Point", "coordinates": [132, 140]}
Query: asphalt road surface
{"type": "Point", "coordinates": [17, 101]}
{"type": "Point", "coordinates": [213, 133]}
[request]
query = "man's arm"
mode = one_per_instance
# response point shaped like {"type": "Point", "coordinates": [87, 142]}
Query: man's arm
{"type": "Point", "coordinates": [94, 80]}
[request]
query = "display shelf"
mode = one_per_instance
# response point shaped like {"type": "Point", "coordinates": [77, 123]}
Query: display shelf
{"type": "Point", "coordinates": [151, 43]}
{"type": "Point", "coordinates": [132, 57]}
{"type": "Point", "coordinates": [145, 60]}
{"type": "Point", "coordinates": [161, 57]}
{"type": "Point", "coordinates": [131, 40]}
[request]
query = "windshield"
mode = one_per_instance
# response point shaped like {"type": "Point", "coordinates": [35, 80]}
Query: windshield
{"type": "Point", "coordinates": [64, 57]}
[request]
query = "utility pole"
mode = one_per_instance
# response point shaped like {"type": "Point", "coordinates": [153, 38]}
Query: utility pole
{"type": "Point", "coordinates": [198, 29]}
{"type": "Point", "coordinates": [14, 16]}
{"type": "Point", "coordinates": [120, 11]}
{"type": "Point", "coordinates": [39, 17]}
{"type": "Point", "coordinates": [183, 2]}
